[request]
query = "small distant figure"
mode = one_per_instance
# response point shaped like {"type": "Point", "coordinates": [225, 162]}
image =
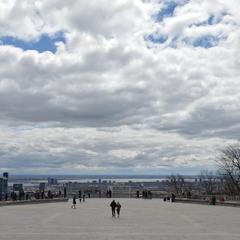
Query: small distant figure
{"type": "Point", "coordinates": [42, 195]}
{"type": "Point", "coordinates": [110, 194]}
{"type": "Point", "coordinates": [145, 194]}
{"type": "Point", "coordinates": [213, 200]}
{"type": "Point", "coordinates": [138, 194]}
{"type": "Point", "coordinates": [189, 195]}
{"type": "Point", "coordinates": [173, 197]}
{"type": "Point", "coordinates": [65, 193]}
{"type": "Point", "coordinates": [222, 199]}
{"type": "Point", "coordinates": [80, 196]}
{"type": "Point", "coordinates": [118, 207]}
{"type": "Point", "coordinates": [113, 206]}
{"type": "Point", "coordinates": [165, 199]}
{"type": "Point", "coordinates": [83, 198]}
{"type": "Point", "coordinates": [74, 203]}
{"type": "Point", "coordinates": [89, 195]}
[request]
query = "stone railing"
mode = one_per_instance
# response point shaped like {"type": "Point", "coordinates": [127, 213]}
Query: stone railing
{"type": "Point", "coordinates": [207, 202]}
{"type": "Point", "coordinates": [33, 201]}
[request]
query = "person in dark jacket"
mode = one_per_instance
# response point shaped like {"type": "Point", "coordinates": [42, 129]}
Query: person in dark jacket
{"type": "Point", "coordinates": [74, 202]}
{"type": "Point", "coordinates": [113, 206]}
{"type": "Point", "coordinates": [118, 207]}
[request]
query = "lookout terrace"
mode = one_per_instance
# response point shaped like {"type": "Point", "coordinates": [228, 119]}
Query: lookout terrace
{"type": "Point", "coordinates": [140, 219]}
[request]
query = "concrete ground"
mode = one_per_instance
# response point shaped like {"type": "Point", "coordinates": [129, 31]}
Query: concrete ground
{"type": "Point", "coordinates": [140, 219]}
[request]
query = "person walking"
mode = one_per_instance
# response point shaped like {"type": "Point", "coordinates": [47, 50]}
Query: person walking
{"type": "Point", "coordinates": [80, 196]}
{"type": "Point", "coordinates": [74, 202]}
{"type": "Point", "coordinates": [118, 207]}
{"type": "Point", "coordinates": [173, 197]}
{"type": "Point", "coordinates": [113, 207]}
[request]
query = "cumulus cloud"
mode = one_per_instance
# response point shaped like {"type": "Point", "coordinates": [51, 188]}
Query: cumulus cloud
{"type": "Point", "coordinates": [111, 98]}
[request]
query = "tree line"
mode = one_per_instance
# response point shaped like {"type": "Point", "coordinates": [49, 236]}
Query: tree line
{"type": "Point", "coordinates": [226, 180]}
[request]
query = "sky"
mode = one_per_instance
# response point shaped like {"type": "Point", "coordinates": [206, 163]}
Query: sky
{"type": "Point", "coordinates": [118, 87]}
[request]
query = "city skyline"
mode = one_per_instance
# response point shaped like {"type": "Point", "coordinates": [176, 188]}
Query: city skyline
{"type": "Point", "coordinates": [117, 87]}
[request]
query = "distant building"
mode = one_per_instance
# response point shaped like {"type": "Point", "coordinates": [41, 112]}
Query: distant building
{"type": "Point", "coordinates": [4, 184]}
{"type": "Point", "coordinates": [5, 175]}
{"type": "Point", "coordinates": [18, 187]}
{"type": "Point", "coordinates": [42, 186]}
{"type": "Point", "coordinates": [52, 181]}
{"type": "Point", "coordinates": [1, 188]}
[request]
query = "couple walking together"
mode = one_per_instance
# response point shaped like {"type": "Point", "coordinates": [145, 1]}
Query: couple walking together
{"type": "Point", "coordinates": [115, 206]}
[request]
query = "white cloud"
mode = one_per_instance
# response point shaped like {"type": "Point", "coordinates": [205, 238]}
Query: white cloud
{"type": "Point", "coordinates": [109, 101]}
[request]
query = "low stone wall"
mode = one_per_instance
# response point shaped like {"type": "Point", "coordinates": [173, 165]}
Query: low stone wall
{"type": "Point", "coordinates": [34, 201]}
{"type": "Point", "coordinates": [206, 202]}
{"type": "Point", "coordinates": [196, 201]}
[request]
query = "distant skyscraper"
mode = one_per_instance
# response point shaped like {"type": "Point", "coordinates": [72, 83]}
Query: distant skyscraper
{"type": "Point", "coordinates": [5, 175]}
{"type": "Point", "coordinates": [1, 188]}
{"type": "Point", "coordinates": [5, 182]}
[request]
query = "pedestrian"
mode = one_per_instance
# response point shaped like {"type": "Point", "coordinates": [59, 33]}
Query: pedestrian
{"type": "Point", "coordinates": [113, 207]}
{"type": "Point", "coordinates": [118, 207]}
{"type": "Point", "coordinates": [80, 196]}
{"type": "Point", "coordinates": [74, 202]}
{"type": "Point", "coordinates": [173, 197]}
{"type": "Point", "coordinates": [83, 198]}
{"type": "Point", "coordinates": [138, 194]}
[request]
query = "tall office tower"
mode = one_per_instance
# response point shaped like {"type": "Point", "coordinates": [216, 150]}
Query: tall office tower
{"type": "Point", "coordinates": [5, 183]}
{"type": "Point", "coordinates": [1, 188]}
{"type": "Point", "coordinates": [5, 175]}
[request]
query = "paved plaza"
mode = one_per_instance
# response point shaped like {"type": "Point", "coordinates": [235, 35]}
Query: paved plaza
{"type": "Point", "coordinates": [140, 219]}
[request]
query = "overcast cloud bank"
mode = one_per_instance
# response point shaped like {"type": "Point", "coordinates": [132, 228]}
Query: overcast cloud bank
{"type": "Point", "coordinates": [142, 86]}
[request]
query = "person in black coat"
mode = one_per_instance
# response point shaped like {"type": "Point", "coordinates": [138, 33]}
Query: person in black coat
{"type": "Point", "coordinates": [113, 206]}
{"type": "Point", "coordinates": [74, 202]}
{"type": "Point", "coordinates": [118, 206]}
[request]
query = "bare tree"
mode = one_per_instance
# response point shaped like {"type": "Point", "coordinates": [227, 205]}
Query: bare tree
{"type": "Point", "coordinates": [207, 181]}
{"type": "Point", "coordinates": [229, 166]}
{"type": "Point", "coordinates": [177, 183]}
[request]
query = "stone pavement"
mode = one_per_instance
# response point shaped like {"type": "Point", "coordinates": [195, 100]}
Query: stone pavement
{"type": "Point", "coordinates": [140, 219]}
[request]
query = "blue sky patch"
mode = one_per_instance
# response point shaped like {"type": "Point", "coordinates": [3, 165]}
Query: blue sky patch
{"type": "Point", "coordinates": [156, 38]}
{"type": "Point", "coordinates": [166, 11]}
{"type": "Point", "coordinates": [204, 42]}
{"type": "Point", "coordinates": [212, 19]}
{"type": "Point", "coordinates": [43, 44]}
